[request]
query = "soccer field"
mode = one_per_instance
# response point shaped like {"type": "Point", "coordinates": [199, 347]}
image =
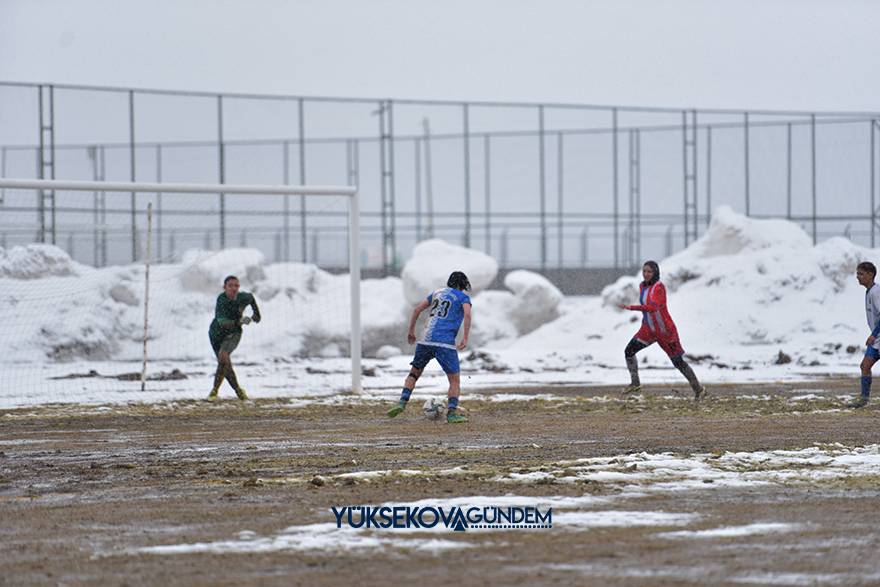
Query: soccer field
{"type": "Point", "coordinates": [760, 484]}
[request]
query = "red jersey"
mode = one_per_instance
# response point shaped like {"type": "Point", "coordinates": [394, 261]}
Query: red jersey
{"type": "Point", "coordinates": [655, 316]}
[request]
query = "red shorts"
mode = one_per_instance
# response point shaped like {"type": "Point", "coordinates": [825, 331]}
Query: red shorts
{"type": "Point", "coordinates": [670, 344]}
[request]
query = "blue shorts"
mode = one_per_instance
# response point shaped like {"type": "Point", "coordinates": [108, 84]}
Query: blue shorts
{"type": "Point", "coordinates": [872, 353]}
{"type": "Point", "coordinates": [448, 358]}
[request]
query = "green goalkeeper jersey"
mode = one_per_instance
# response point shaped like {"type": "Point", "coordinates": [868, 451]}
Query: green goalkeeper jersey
{"type": "Point", "coordinates": [228, 312]}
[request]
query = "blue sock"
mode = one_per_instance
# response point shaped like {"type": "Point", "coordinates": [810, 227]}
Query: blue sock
{"type": "Point", "coordinates": [404, 395]}
{"type": "Point", "coordinates": [866, 385]}
{"type": "Point", "coordinates": [452, 404]}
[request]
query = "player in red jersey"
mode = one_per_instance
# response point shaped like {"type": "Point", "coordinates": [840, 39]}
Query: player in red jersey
{"type": "Point", "coordinates": [657, 326]}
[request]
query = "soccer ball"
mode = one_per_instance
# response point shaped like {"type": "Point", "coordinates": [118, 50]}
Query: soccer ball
{"type": "Point", "coordinates": [434, 409]}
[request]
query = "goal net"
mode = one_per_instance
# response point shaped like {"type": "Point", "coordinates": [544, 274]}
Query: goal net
{"type": "Point", "coordinates": [111, 287]}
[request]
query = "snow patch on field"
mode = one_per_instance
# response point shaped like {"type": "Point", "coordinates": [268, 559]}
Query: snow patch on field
{"type": "Point", "coordinates": [324, 537]}
{"type": "Point", "coordinates": [664, 472]}
{"type": "Point", "coordinates": [734, 531]}
{"type": "Point", "coordinates": [327, 537]}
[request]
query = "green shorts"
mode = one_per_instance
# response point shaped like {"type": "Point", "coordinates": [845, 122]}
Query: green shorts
{"type": "Point", "coordinates": [227, 343]}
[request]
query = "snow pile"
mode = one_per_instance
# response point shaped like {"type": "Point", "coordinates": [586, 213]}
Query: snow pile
{"type": "Point", "coordinates": [750, 282]}
{"type": "Point", "coordinates": [205, 269]}
{"type": "Point", "coordinates": [742, 293]}
{"type": "Point", "coordinates": [537, 300]}
{"type": "Point", "coordinates": [504, 315]}
{"type": "Point", "coordinates": [77, 312]}
{"type": "Point", "coordinates": [34, 262]}
{"type": "Point", "coordinates": [432, 262]}
{"type": "Point", "coordinates": [64, 311]}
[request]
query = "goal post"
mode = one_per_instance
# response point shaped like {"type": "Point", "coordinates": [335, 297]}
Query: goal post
{"type": "Point", "coordinates": [348, 192]}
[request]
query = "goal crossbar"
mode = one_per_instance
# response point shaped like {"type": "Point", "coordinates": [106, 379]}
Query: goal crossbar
{"type": "Point", "coordinates": [350, 192]}
{"type": "Point", "coordinates": [182, 188]}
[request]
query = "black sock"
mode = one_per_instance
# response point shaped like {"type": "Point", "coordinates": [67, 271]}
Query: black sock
{"type": "Point", "coordinates": [689, 375]}
{"type": "Point", "coordinates": [632, 363]}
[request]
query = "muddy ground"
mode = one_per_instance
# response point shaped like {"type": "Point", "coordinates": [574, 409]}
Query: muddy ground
{"type": "Point", "coordinates": [84, 488]}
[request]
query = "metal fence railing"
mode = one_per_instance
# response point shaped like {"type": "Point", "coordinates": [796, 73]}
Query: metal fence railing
{"type": "Point", "coordinates": [536, 185]}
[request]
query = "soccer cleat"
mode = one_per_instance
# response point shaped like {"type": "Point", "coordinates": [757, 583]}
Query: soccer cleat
{"type": "Point", "coordinates": [453, 418]}
{"type": "Point", "coordinates": [859, 402]}
{"type": "Point", "coordinates": [212, 397]}
{"type": "Point", "coordinates": [632, 389]}
{"type": "Point", "coordinates": [700, 393]}
{"type": "Point", "coordinates": [397, 409]}
{"type": "Point", "coordinates": [241, 393]}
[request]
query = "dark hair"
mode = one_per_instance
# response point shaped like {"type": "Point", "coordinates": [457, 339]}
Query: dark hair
{"type": "Point", "coordinates": [458, 280]}
{"type": "Point", "coordinates": [229, 278]}
{"type": "Point", "coordinates": [868, 266]}
{"type": "Point", "coordinates": [656, 269]}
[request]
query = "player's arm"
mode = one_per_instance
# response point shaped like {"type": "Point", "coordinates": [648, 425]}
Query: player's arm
{"type": "Point", "coordinates": [657, 302]}
{"type": "Point", "coordinates": [466, 308]}
{"type": "Point", "coordinates": [411, 332]}
{"type": "Point", "coordinates": [256, 310]}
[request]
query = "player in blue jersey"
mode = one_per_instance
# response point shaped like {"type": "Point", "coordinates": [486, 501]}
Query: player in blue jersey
{"type": "Point", "coordinates": [866, 273]}
{"type": "Point", "coordinates": [449, 307]}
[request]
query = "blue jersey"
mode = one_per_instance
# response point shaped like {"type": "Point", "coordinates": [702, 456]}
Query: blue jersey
{"type": "Point", "coordinates": [445, 316]}
{"type": "Point", "coordinates": [872, 311]}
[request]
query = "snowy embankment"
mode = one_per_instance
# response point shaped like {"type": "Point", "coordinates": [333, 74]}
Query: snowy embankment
{"type": "Point", "coordinates": [742, 293]}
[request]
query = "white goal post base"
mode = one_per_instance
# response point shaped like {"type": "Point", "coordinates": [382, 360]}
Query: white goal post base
{"type": "Point", "coordinates": [242, 189]}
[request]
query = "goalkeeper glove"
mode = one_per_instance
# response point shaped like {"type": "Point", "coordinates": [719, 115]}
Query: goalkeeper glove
{"type": "Point", "coordinates": [244, 320]}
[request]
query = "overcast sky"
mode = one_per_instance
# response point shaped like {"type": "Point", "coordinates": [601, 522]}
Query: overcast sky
{"type": "Point", "coordinates": [799, 54]}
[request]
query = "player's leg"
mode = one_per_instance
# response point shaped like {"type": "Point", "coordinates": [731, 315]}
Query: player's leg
{"type": "Point", "coordinates": [632, 363]}
{"type": "Point", "coordinates": [452, 414]}
{"type": "Point", "coordinates": [448, 359]}
{"type": "Point", "coordinates": [230, 343]}
{"type": "Point", "coordinates": [421, 358]}
{"type": "Point", "coordinates": [220, 373]}
{"type": "Point", "coordinates": [674, 350]}
{"type": "Point", "coordinates": [871, 357]}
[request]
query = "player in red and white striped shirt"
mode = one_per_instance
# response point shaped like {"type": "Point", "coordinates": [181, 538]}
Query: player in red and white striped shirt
{"type": "Point", "coordinates": [657, 326]}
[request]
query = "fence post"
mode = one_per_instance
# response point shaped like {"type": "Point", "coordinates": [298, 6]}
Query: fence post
{"type": "Point", "coordinates": [467, 174]}
{"type": "Point", "coordinates": [560, 193]}
{"type": "Point", "coordinates": [872, 175]}
{"type": "Point", "coordinates": [417, 182]}
{"type": "Point", "coordinates": [221, 168]}
{"type": "Point", "coordinates": [132, 176]}
{"type": "Point", "coordinates": [616, 231]}
{"type": "Point", "coordinates": [542, 188]}
{"type": "Point", "coordinates": [302, 176]}
{"type": "Point", "coordinates": [159, 204]}
{"type": "Point", "coordinates": [813, 171]}
{"type": "Point", "coordinates": [429, 184]}
{"type": "Point", "coordinates": [708, 175]}
{"type": "Point", "coordinates": [788, 171]}
{"type": "Point", "coordinates": [487, 187]}
{"type": "Point", "coordinates": [584, 246]}
{"type": "Point", "coordinates": [285, 154]}
{"type": "Point", "coordinates": [746, 169]}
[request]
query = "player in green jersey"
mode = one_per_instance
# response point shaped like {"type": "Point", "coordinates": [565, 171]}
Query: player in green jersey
{"type": "Point", "coordinates": [225, 332]}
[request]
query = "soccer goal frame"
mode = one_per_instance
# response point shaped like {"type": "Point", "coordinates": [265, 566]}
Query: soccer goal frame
{"type": "Point", "coordinates": [350, 192]}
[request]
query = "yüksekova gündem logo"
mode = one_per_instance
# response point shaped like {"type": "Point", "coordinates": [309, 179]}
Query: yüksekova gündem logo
{"type": "Point", "coordinates": [455, 518]}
